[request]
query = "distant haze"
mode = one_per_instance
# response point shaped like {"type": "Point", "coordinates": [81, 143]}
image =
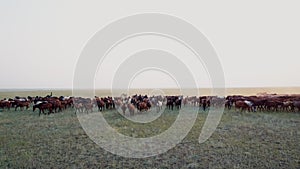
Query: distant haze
{"type": "Point", "coordinates": [257, 41]}
{"type": "Point", "coordinates": [191, 92]}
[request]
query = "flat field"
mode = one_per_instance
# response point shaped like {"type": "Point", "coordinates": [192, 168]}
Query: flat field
{"type": "Point", "coordinates": [241, 140]}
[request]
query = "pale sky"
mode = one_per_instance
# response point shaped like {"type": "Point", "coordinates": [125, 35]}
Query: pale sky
{"type": "Point", "coordinates": [257, 41]}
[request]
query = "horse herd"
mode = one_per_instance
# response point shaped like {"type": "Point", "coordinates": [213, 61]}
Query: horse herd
{"type": "Point", "coordinates": [143, 103]}
{"type": "Point", "coordinates": [274, 102]}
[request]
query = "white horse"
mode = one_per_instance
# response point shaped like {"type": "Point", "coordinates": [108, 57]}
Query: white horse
{"type": "Point", "coordinates": [159, 105]}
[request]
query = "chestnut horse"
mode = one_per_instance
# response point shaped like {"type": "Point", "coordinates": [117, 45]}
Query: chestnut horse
{"type": "Point", "coordinates": [22, 104]}
{"type": "Point", "coordinates": [242, 105]}
{"type": "Point", "coordinates": [5, 104]}
{"type": "Point", "coordinates": [131, 108]}
{"type": "Point", "coordinates": [42, 107]}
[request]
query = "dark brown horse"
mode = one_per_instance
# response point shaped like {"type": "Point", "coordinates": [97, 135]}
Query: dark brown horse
{"type": "Point", "coordinates": [143, 106]}
{"type": "Point", "coordinates": [22, 104]}
{"type": "Point", "coordinates": [42, 107]}
{"type": "Point", "coordinates": [240, 104]}
{"type": "Point", "coordinates": [170, 102]}
{"type": "Point", "coordinates": [5, 104]}
{"type": "Point", "coordinates": [56, 104]}
{"type": "Point", "coordinates": [178, 103]}
{"type": "Point", "coordinates": [100, 103]}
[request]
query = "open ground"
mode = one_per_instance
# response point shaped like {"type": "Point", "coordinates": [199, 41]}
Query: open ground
{"type": "Point", "coordinates": [242, 140]}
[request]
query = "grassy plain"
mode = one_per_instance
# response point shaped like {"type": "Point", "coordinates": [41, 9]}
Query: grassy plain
{"type": "Point", "coordinates": [242, 140]}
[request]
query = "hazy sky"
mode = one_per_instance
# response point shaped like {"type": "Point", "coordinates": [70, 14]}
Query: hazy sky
{"type": "Point", "coordinates": [257, 41]}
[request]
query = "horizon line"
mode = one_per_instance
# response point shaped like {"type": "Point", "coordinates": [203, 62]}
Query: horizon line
{"type": "Point", "coordinates": [42, 88]}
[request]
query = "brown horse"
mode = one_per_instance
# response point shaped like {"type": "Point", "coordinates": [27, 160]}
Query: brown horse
{"type": "Point", "coordinates": [64, 104]}
{"type": "Point", "coordinates": [142, 106]}
{"type": "Point", "coordinates": [56, 104]}
{"type": "Point", "coordinates": [5, 104]}
{"type": "Point", "coordinates": [131, 108]}
{"type": "Point", "coordinates": [70, 102]}
{"type": "Point", "coordinates": [242, 105]}
{"type": "Point", "coordinates": [100, 103]}
{"type": "Point", "coordinates": [42, 107]}
{"type": "Point", "coordinates": [22, 104]}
